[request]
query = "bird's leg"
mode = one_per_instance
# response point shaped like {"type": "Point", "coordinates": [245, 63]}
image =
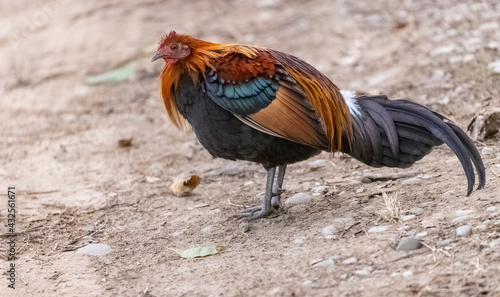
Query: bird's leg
{"type": "Point", "coordinates": [278, 189]}
{"type": "Point", "coordinates": [266, 209]}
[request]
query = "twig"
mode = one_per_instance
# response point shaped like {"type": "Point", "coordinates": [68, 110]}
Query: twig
{"type": "Point", "coordinates": [33, 192]}
{"type": "Point", "coordinates": [369, 177]}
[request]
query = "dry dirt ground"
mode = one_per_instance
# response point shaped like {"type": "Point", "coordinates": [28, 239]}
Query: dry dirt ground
{"type": "Point", "coordinates": [75, 185]}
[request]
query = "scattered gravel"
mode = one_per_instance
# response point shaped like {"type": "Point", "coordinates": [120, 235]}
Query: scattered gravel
{"type": "Point", "coordinates": [409, 244]}
{"type": "Point", "coordinates": [464, 231]}
{"type": "Point", "coordinates": [95, 249]}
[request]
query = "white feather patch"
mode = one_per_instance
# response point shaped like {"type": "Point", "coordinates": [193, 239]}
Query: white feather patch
{"type": "Point", "coordinates": [352, 103]}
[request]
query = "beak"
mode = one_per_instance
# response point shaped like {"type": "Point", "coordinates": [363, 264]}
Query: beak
{"type": "Point", "coordinates": [156, 57]}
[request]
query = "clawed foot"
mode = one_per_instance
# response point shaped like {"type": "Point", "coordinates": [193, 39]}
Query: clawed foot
{"type": "Point", "coordinates": [271, 204]}
{"type": "Point", "coordinates": [259, 212]}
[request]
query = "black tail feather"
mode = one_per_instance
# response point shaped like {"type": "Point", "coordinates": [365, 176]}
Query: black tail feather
{"type": "Point", "coordinates": [397, 133]}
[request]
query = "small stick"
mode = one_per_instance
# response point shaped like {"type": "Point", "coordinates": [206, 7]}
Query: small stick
{"type": "Point", "coordinates": [369, 177]}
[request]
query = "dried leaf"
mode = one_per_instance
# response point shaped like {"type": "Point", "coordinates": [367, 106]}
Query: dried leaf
{"type": "Point", "coordinates": [182, 186]}
{"type": "Point", "coordinates": [485, 124]}
{"type": "Point", "coordinates": [200, 251]}
{"type": "Point", "coordinates": [125, 142]}
{"type": "Point", "coordinates": [120, 74]}
{"type": "Point", "coordinates": [152, 179]}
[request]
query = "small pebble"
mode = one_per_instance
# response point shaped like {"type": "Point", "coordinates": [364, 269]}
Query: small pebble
{"type": "Point", "coordinates": [464, 231]}
{"type": "Point", "coordinates": [417, 211]}
{"type": "Point", "coordinates": [409, 244]}
{"type": "Point", "coordinates": [489, 26]}
{"type": "Point", "coordinates": [407, 273]}
{"type": "Point", "coordinates": [443, 242]}
{"type": "Point", "coordinates": [377, 229]}
{"type": "Point", "coordinates": [412, 180]}
{"type": "Point", "coordinates": [487, 151]}
{"type": "Point", "coordinates": [326, 264]}
{"type": "Point", "coordinates": [363, 272]}
{"type": "Point", "coordinates": [495, 244]}
{"type": "Point", "coordinates": [299, 198]}
{"type": "Point", "coordinates": [95, 249]}
{"type": "Point", "coordinates": [350, 260]}
{"type": "Point", "coordinates": [494, 67]}
{"type": "Point", "coordinates": [299, 240]}
{"type": "Point", "coordinates": [408, 217]}
{"type": "Point", "coordinates": [317, 164]}
{"type": "Point", "coordinates": [491, 209]}
{"type": "Point", "coordinates": [464, 212]}
{"type": "Point", "coordinates": [481, 227]}
{"type": "Point", "coordinates": [248, 183]}
{"type": "Point", "coordinates": [462, 219]}
{"type": "Point", "coordinates": [421, 234]}
{"type": "Point", "coordinates": [244, 226]}
{"type": "Point", "coordinates": [306, 283]}
{"type": "Point", "coordinates": [207, 229]}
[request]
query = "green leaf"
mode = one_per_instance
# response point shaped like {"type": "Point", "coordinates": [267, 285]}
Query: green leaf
{"type": "Point", "coordinates": [120, 74]}
{"type": "Point", "coordinates": [200, 251]}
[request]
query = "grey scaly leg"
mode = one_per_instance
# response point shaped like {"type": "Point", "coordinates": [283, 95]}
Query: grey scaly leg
{"type": "Point", "coordinates": [258, 212]}
{"type": "Point", "coordinates": [278, 189]}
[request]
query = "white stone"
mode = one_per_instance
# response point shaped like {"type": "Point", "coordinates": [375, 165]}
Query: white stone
{"type": "Point", "coordinates": [464, 212]}
{"type": "Point", "coordinates": [363, 272]}
{"type": "Point", "coordinates": [407, 273]}
{"type": "Point", "coordinates": [421, 234]}
{"type": "Point", "coordinates": [377, 229]}
{"type": "Point", "coordinates": [299, 198]}
{"type": "Point", "coordinates": [306, 283]}
{"type": "Point", "coordinates": [462, 219]}
{"type": "Point", "coordinates": [299, 240]}
{"type": "Point", "coordinates": [443, 50]}
{"type": "Point", "coordinates": [350, 260]}
{"type": "Point", "coordinates": [464, 231]}
{"type": "Point", "coordinates": [317, 164]}
{"type": "Point", "coordinates": [96, 249]}
{"type": "Point", "coordinates": [494, 67]}
{"type": "Point", "coordinates": [248, 183]}
{"type": "Point", "coordinates": [326, 264]}
{"type": "Point", "coordinates": [319, 189]}
{"type": "Point", "coordinates": [491, 208]}
{"type": "Point", "coordinates": [408, 217]}
{"type": "Point", "coordinates": [417, 211]}
{"type": "Point", "coordinates": [489, 26]}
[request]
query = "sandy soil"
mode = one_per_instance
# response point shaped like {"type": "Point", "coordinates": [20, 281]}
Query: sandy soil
{"type": "Point", "coordinates": [75, 185]}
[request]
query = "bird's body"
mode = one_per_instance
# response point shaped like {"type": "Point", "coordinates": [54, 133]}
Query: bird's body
{"type": "Point", "coordinates": [265, 106]}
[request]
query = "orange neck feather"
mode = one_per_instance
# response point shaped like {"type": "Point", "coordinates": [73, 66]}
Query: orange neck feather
{"type": "Point", "coordinates": [202, 55]}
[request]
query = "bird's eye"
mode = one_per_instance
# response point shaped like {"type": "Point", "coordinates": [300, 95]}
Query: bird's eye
{"type": "Point", "coordinates": [174, 47]}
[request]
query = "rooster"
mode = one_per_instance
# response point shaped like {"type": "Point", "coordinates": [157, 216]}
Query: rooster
{"type": "Point", "coordinates": [265, 106]}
